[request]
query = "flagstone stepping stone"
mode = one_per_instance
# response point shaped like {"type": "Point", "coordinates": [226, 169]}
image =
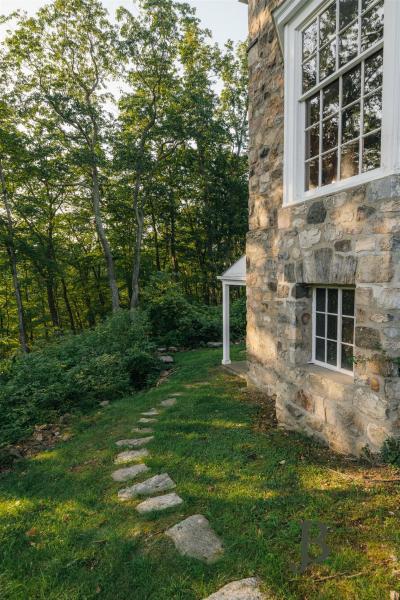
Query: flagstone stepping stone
{"type": "Point", "coordinates": [130, 456]}
{"type": "Point", "coordinates": [159, 503]}
{"type": "Point", "coordinates": [146, 420]}
{"type": "Point", "coordinates": [244, 589]}
{"type": "Point", "coordinates": [142, 430]}
{"type": "Point", "coordinates": [150, 413]}
{"type": "Point", "coordinates": [194, 537]}
{"type": "Point", "coordinates": [135, 443]}
{"type": "Point", "coordinates": [168, 402]}
{"type": "Point", "coordinates": [158, 483]}
{"type": "Point", "coordinates": [177, 394]}
{"type": "Point", "coordinates": [129, 472]}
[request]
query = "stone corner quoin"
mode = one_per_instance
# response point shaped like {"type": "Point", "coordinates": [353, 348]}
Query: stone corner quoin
{"type": "Point", "coordinates": [351, 238]}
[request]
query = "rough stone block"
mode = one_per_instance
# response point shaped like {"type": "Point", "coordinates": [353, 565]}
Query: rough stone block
{"type": "Point", "coordinates": [194, 537]}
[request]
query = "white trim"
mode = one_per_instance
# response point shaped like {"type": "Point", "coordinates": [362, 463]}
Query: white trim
{"type": "Point", "coordinates": [290, 19]}
{"type": "Point", "coordinates": [226, 334]}
{"type": "Point", "coordinates": [326, 365]}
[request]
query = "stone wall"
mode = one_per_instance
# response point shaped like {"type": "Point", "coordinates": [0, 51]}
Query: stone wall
{"type": "Point", "coordinates": [350, 238]}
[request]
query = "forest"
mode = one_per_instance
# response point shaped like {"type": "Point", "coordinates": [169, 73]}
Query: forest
{"type": "Point", "coordinates": [122, 163]}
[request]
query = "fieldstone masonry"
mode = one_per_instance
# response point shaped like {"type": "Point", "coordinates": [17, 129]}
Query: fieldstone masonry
{"type": "Point", "coordinates": [350, 238]}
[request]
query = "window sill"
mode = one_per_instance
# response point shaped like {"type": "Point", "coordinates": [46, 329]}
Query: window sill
{"type": "Point", "coordinates": [340, 186]}
{"type": "Point", "coordinates": [334, 376]}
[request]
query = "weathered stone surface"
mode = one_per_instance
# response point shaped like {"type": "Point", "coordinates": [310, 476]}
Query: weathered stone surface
{"type": "Point", "coordinates": [349, 238]}
{"type": "Point", "coordinates": [159, 503]}
{"type": "Point", "coordinates": [151, 413]}
{"type": "Point", "coordinates": [130, 456]}
{"type": "Point", "coordinates": [158, 483]}
{"type": "Point", "coordinates": [104, 403]}
{"type": "Point", "coordinates": [194, 537]}
{"type": "Point", "coordinates": [244, 589]}
{"type": "Point", "coordinates": [136, 442]}
{"type": "Point", "coordinates": [366, 337]}
{"type": "Point", "coordinates": [214, 344]}
{"type": "Point", "coordinates": [147, 420]}
{"type": "Point", "coordinates": [129, 472]}
{"type": "Point", "coordinates": [143, 430]}
{"type": "Point", "coordinates": [316, 213]}
{"type": "Point", "coordinates": [168, 402]}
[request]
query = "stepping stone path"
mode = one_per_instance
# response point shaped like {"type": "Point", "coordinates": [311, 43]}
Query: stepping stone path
{"type": "Point", "coordinates": [194, 537]}
{"type": "Point", "coordinates": [151, 413]}
{"type": "Point", "coordinates": [130, 456]}
{"type": "Point", "coordinates": [146, 420]}
{"type": "Point", "coordinates": [169, 402]}
{"type": "Point", "coordinates": [159, 503]}
{"type": "Point", "coordinates": [129, 472]}
{"type": "Point", "coordinates": [142, 430]}
{"type": "Point", "coordinates": [135, 443]}
{"type": "Point", "coordinates": [245, 589]}
{"type": "Point", "coordinates": [158, 483]}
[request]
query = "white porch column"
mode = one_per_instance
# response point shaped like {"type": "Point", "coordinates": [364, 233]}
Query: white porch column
{"type": "Point", "coordinates": [226, 359]}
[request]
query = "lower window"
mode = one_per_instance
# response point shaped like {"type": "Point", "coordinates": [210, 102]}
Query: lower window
{"type": "Point", "coordinates": [333, 328]}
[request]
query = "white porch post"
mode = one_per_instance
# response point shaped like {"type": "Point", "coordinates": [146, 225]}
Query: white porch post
{"type": "Point", "coordinates": [226, 359]}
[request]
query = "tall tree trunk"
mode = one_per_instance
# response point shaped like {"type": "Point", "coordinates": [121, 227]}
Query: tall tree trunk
{"type": "Point", "coordinates": [139, 216]}
{"type": "Point", "coordinates": [174, 257]}
{"type": "Point", "coordinates": [112, 282]}
{"type": "Point", "coordinates": [13, 263]}
{"type": "Point", "coordinates": [156, 245]}
{"type": "Point", "coordinates": [68, 305]}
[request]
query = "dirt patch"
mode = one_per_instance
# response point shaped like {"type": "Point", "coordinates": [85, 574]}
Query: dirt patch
{"type": "Point", "coordinates": [266, 412]}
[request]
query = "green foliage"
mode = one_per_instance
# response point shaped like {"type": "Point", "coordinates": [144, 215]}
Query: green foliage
{"type": "Point", "coordinates": [390, 452]}
{"type": "Point", "coordinates": [176, 321]}
{"type": "Point", "coordinates": [75, 372]}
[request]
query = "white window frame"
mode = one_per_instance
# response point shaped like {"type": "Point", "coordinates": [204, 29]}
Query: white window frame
{"type": "Point", "coordinates": [290, 19]}
{"type": "Point", "coordinates": [339, 329]}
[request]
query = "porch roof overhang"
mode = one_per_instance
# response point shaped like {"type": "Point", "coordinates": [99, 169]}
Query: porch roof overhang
{"type": "Point", "coordinates": [236, 274]}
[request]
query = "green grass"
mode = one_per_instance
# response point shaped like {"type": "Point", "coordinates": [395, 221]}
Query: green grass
{"type": "Point", "coordinates": [64, 535]}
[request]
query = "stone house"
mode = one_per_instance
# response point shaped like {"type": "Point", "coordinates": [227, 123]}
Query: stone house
{"type": "Point", "coordinates": [323, 248]}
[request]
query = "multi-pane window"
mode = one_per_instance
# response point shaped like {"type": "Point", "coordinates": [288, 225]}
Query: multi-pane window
{"type": "Point", "coordinates": [333, 344]}
{"type": "Point", "coordinates": [342, 73]}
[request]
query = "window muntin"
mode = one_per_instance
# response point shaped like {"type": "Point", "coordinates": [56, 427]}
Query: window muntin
{"type": "Point", "coordinates": [334, 324]}
{"type": "Point", "coordinates": [344, 117]}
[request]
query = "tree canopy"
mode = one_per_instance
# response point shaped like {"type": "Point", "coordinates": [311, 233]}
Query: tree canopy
{"type": "Point", "coordinates": [122, 154]}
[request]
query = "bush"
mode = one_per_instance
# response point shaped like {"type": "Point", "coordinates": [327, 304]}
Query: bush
{"type": "Point", "coordinates": [76, 372]}
{"type": "Point", "coordinates": [175, 321]}
{"type": "Point", "coordinates": [390, 452]}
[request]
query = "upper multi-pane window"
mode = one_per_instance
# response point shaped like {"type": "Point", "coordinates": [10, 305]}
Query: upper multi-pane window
{"type": "Point", "coordinates": [342, 76]}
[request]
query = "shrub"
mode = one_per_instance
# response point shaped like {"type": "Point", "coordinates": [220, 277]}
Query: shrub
{"type": "Point", "coordinates": [175, 321]}
{"type": "Point", "coordinates": [390, 451]}
{"type": "Point", "coordinates": [75, 372]}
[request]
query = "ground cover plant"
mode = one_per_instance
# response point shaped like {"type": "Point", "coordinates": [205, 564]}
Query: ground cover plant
{"type": "Point", "coordinates": [64, 534]}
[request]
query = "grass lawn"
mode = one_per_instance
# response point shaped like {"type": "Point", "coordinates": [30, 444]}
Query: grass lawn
{"type": "Point", "coordinates": [64, 534]}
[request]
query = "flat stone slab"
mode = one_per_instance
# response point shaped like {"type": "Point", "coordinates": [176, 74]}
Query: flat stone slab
{"type": "Point", "coordinates": [142, 430]}
{"type": "Point", "coordinates": [176, 394]}
{"type": "Point", "coordinates": [166, 359]}
{"type": "Point", "coordinates": [131, 456]}
{"type": "Point", "coordinates": [168, 402]}
{"type": "Point", "coordinates": [158, 483]}
{"type": "Point", "coordinates": [129, 472]}
{"type": "Point", "coordinates": [135, 443]}
{"type": "Point", "coordinates": [150, 413]}
{"type": "Point", "coordinates": [159, 503]}
{"type": "Point", "coordinates": [244, 589]}
{"type": "Point", "coordinates": [194, 537]}
{"type": "Point", "coordinates": [146, 420]}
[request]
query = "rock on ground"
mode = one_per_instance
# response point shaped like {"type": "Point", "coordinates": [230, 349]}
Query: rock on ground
{"type": "Point", "coordinates": [194, 537]}
{"type": "Point", "coordinates": [166, 359]}
{"type": "Point", "coordinates": [129, 472]}
{"type": "Point", "coordinates": [245, 589]}
{"type": "Point", "coordinates": [158, 483]}
{"type": "Point", "coordinates": [104, 403]}
{"type": "Point", "coordinates": [168, 402]}
{"type": "Point", "coordinates": [150, 413]}
{"type": "Point", "coordinates": [214, 344]}
{"type": "Point", "coordinates": [130, 456]}
{"type": "Point", "coordinates": [146, 420]}
{"type": "Point", "coordinates": [135, 443]}
{"type": "Point", "coordinates": [142, 430]}
{"type": "Point", "coordinates": [159, 503]}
